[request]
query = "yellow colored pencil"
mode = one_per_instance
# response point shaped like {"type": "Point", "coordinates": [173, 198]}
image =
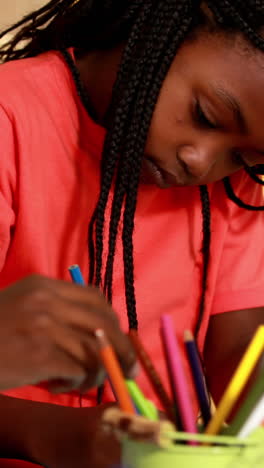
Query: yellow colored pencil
{"type": "Point", "coordinates": [114, 371]}
{"type": "Point", "coordinates": [235, 387]}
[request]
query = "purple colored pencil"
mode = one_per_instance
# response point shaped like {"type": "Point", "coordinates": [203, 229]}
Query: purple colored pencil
{"type": "Point", "coordinates": [198, 376]}
{"type": "Point", "coordinates": [177, 377]}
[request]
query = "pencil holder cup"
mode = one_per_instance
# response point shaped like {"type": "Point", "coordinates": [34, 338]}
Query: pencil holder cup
{"type": "Point", "coordinates": [211, 452]}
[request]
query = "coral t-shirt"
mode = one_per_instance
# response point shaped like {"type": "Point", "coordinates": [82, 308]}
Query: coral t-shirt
{"type": "Point", "coordinates": [49, 185]}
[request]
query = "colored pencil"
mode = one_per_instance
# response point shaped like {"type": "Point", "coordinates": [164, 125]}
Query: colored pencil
{"type": "Point", "coordinates": [255, 420]}
{"type": "Point", "coordinates": [152, 375]}
{"type": "Point", "coordinates": [142, 404]}
{"type": "Point", "coordinates": [114, 372]}
{"type": "Point", "coordinates": [243, 417]}
{"type": "Point", "coordinates": [237, 383]}
{"type": "Point", "coordinates": [177, 377]}
{"type": "Point", "coordinates": [198, 376]}
{"type": "Point", "coordinates": [76, 275]}
{"type": "Point", "coordinates": [77, 278]}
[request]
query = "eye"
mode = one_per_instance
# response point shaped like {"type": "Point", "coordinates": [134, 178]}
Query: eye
{"type": "Point", "coordinates": [202, 118]}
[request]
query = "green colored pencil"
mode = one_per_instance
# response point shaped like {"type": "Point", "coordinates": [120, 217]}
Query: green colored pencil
{"type": "Point", "coordinates": [144, 406]}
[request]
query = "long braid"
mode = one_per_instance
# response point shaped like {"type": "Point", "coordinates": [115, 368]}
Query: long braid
{"type": "Point", "coordinates": [133, 151]}
{"type": "Point", "coordinates": [78, 82]}
{"type": "Point", "coordinates": [124, 96]}
{"type": "Point", "coordinates": [145, 101]}
{"type": "Point", "coordinates": [231, 194]}
{"type": "Point", "coordinates": [253, 175]}
{"type": "Point", "coordinates": [206, 213]}
{"type": "Point", "coordinates": [121, 182]}
{"type": "Point", "coordinates": [237, 15]}
{"type": "Point", "coordinates": [122, 175]}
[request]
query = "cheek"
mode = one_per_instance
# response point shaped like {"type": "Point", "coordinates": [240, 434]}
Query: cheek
{"type": "Point", "coordinates": [158, 139]}
{"type": "Point", "coordinates": [163, 134]}
{"type": "Point", "coordinates": [170, 121]}
{"type": "Point", "coordinates": [221, 169]}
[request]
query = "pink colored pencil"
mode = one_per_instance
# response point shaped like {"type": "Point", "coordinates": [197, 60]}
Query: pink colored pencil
{"type": "Point", "coordinates": [177, 376]}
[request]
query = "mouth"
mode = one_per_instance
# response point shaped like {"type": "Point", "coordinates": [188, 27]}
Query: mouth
{"type": "Point", "coordinates": [152, 173]}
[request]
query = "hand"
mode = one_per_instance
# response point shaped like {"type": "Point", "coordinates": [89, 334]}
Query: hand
{"type": "Point", "coordinates": [47, 334]}
{"type": "Point", "coordinates": [56, 436]}
{"type": "Point", "coordinates": [79, 439]}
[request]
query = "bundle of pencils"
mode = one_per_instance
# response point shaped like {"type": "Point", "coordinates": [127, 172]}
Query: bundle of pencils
{"type": "Point", "coordinates": [177, 404]}
{"type": "Point", "coordinates": [251, 413]}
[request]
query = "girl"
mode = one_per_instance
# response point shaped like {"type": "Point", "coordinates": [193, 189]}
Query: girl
{"type": "Point", "coordinates": [142, 120]}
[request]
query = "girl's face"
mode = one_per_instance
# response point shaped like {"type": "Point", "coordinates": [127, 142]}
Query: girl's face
{"type": "Point", "coordinates": [209, 119]}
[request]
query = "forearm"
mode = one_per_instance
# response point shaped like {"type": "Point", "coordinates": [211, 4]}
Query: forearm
{"type": "Point", "coordinates": [15, 428]}
{"type": "Point", "coordinates": [228, 337]}
{"type": "Point", "coordinates": [55, 436]}
{"type": "Point", "coordinates": [218, 375]}
{"type": "Point", "coordinates": [29, 429]}
{"type": "Point", "coordinates": [221, 374]}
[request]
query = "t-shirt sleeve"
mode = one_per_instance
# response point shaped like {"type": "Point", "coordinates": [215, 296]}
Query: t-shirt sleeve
{"type": "Point", "coordinates": [7, 183]}
{"type": "Point", "coordinates": [240, 279]}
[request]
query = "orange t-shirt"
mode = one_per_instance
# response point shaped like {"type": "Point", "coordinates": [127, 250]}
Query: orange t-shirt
{"type": "Point", "coordinates": [49, 183]}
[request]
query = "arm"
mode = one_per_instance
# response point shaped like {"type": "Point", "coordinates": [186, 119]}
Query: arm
{"type": "Point", "coordinates": [46, 333]}
{"type": "Point", "coordinates": [228, 336]}
{"type": "Point", "coordinates": [55, 436]}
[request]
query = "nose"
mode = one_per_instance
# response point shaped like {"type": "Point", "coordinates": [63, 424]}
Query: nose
{"type": "Point", "coordinates": [197, 162]}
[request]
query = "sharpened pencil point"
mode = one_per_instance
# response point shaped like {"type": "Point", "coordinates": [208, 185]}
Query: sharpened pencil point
{"type": "Point", "coordinates": [73, 267]}
{"type": "Point", "coordinates": [188, 336]}
{"type": "Point", "coordinates": [100, 335]}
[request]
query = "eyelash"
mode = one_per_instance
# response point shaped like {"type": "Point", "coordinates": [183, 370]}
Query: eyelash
{"type": "Point", "coordinates": [201, 118]}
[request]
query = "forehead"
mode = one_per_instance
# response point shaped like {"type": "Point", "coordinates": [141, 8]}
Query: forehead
{"type": "Point", "coordinates": [215, 60]}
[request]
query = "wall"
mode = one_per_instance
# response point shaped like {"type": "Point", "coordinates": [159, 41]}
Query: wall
{"type": "Point", "coordinates": [12, 10]}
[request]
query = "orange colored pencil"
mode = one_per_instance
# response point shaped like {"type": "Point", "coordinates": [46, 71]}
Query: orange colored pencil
{"type": "Point", "coordinates": [114, 372]}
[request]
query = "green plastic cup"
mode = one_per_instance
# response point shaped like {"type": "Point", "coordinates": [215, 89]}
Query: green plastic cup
{"type": "Point", "coordinates": [232, 453]}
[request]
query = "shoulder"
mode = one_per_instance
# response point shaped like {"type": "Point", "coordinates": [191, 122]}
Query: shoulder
{"type": "Point", "coordinates": [28, 84]}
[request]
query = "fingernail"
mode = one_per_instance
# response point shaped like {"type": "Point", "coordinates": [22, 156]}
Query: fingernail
{"type": "Point", "coordinates": [134, 371]}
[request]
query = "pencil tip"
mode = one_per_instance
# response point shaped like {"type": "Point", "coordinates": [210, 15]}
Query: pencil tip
{"type": "Point", "coordinates": [73, 267]}
{"type": "Point", "coordinates": [188, 336]}
{"type": "Point", "coordinates": [99, 333]}
{"type": "Point", "coordinates": [101, 337]}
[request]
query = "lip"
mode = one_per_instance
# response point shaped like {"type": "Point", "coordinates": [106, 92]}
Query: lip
{"type": "Point", "coordinates": [154, 174]}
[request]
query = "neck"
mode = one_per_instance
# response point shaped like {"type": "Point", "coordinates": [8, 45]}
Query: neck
{"type": "Point", "coordinates": [98, 71]}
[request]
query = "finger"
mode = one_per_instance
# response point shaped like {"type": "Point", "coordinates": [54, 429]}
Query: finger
{"type": "Point", "coordinates": [98, 381]}
{"type": "Point", "coordinates": [64, 347]}
{"type": "Point", "coordinates": [82, 316]}
{"type": "Point", "coordinates": [80, 346]}
{"type": "Point", "coordinates": [44, 292]}
{"type": "Point", "coordinates": [74, 292]}
{"type": "Point", "coordinates": [85, 308]}
{"type": "Point", "coordinates": [78, 317]}
{"type": "Point", "coordinates": [65, 385]}
{"type": "Point", "coordinates": [61, 371]}
{"type": "Point", "coordinates": [64, 378]}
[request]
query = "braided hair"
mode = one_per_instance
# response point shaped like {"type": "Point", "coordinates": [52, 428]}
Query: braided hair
{"type": "Point", "coordinates": [153, 31]}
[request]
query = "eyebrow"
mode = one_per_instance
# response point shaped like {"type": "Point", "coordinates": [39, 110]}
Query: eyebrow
{"type": "Point", "coordinates": [234, 105]}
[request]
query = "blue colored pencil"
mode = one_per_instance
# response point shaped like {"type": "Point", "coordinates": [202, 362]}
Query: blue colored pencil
{"type": "Point", "coordinates": [198, 376]}
{"type": "Point", "coordinates": [76, 275]}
